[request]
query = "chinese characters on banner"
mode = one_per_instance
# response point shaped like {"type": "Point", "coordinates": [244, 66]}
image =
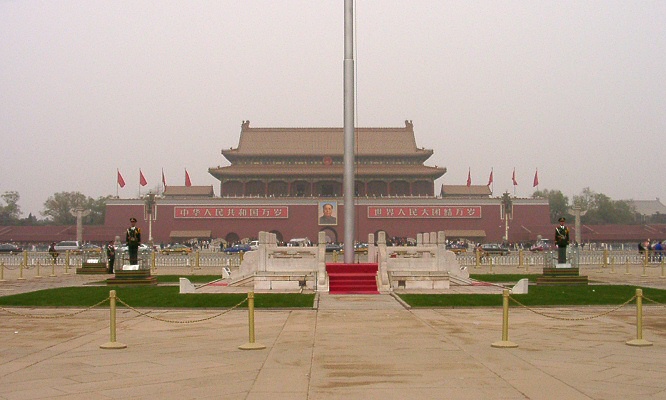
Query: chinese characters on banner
{"type": "Point", "coordinates": [231, 212]}
{"type": "Point", "coordinates": [424, 212]}
{"type": "Point", "coordinates": [282, 212]}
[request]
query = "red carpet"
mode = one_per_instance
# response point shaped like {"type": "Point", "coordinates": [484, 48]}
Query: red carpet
{"type": "Point", "coordinates": [352, 278]}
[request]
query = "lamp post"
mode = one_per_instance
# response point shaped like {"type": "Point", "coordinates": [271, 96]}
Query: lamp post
{"type": "Point", "coordinates": [506, 202]}
{"type": "Point", "coordinates": [150, 202]}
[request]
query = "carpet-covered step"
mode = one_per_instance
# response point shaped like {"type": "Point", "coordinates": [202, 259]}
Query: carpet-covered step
{"type": "Point", "coordinates": [352, 278]}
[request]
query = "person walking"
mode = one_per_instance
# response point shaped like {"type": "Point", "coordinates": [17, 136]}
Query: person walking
{"type": "Point", "coordinates": [562, 241]}
{"type": "Point", "coordinates": [133, 239]}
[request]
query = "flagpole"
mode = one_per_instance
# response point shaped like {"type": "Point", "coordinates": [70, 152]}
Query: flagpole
{"type": "Point", "coordinates": [117, 184]}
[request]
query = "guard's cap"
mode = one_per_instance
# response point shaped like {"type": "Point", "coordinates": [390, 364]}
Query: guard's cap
{"type": "Point", "coordinates": [562, 219]}
{"type": "Point", "coordinates": [132, 219]}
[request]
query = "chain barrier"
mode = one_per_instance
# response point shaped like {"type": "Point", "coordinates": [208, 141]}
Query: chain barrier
{"type": "Point", "coordinates": [54, 316]}
{"type": "Point", "coordinates": [177, 321]}
{"type": "Point", "coordinates": [654, 301]}
{"type": "Point", "coordinates": [572, 319]}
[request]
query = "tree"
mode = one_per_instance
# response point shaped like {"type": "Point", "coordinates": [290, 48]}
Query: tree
{"type": "Point", "coordinates": [558, 202]}
{"type": "Point", "coordinates": [98, 210]}
{"type": "Point", "coordinates": [57, 207]}
{"type": "Point", "coordinates": [10, 212]}
{"type": "Point", "coordinates": [601, 209]}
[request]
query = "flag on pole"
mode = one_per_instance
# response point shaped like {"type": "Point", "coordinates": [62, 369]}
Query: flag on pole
{"type": "Point", "coordinates": [188, 182]}
{"type": "Point", "coordinates": [490, 178]}
{"type": "Point", "coordinates": [513, 178]}
{"type": "Point", "coordinates": [469, 177]}
{"type": "Point", "coordinates": [142, 179]}
{"type": "Point", "coordinates": [536, 178]}
{"type": "Point", "coordinates": [163, 179]}
{"type": "Point", "coordinates": [121, 181]}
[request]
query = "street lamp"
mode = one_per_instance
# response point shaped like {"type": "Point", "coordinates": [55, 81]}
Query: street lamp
{"type": "Point", "coordinates": [150, 202]}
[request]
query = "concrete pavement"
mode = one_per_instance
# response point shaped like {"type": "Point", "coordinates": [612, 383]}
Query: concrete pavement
{"type": "Point", "coordinates": [348, 347]}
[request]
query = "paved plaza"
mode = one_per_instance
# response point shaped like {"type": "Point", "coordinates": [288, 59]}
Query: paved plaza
{"type": "Point", "coordinates": [345, 347]}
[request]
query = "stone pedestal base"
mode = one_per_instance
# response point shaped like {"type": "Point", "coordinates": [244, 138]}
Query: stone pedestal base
{"type": "Point", "coordinates": [561, 276]}
{"type": "Point", "coordinates": [133, 278]}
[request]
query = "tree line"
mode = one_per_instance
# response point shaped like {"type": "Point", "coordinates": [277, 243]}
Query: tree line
{"type": "Point", "coordinates": [57, 209]}
{"type": "Point", "coordinates": [597, 207]}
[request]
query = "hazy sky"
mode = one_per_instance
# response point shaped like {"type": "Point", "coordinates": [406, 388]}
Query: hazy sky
{"type": "Point", "coordinates": [576, 89]}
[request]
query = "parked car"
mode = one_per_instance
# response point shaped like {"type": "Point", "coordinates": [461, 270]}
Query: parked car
{"type": "Point", "coordinates": [142, 247]}
{"type": "Point", "coordinates": [10, 248]}
{"type": "Point", "coordinates": [254, 245]}
{"type": "Point", "coordinates": [541, 245]}
{"type": "Point", "coordinates": [177, 248]}
{"type": "Point", "coordinates": [71, 245]}
{"type": "Point", "coordinates": [299, 242]}
{"type": "Point", "coordinates": [89, 247]}
{"type": "Point", "coordinates": [494, 248]}
{"type": "Point", "coordinates": [331, 247]}
{"type": "Point", "coordinates": [237, 248]}
{"type": "Point", "coordinates": [361, 248]}
{"type": "Point", "coordinates": [456, 248]}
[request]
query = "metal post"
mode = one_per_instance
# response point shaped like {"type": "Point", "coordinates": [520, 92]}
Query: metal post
{"type": "Point", "coordinates": [38, 272]}
{"type": "Point", "coordinates": [251, 345]}
{"type": "Point", "coordinates": [2, 272]}
{"type": "Point", "coordinates": [639, 341]}
{"type": "Point", "coordinates": [112, 344]}
{"type": "Point", "coordinates": [505, 343]}
{"type": "Point", "coordinates": [21, 278]}
{"type": "Point", "coordinates": [349, 134]}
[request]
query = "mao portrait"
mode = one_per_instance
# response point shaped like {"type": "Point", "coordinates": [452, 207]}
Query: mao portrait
{"type": "Point", "coordinates": [328, 213]}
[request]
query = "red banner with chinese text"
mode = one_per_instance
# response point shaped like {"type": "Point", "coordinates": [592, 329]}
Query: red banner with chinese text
{"type": "Point", "coordinates": [231, 212]}
{"type": "Point", "coordinates": [424, 212]}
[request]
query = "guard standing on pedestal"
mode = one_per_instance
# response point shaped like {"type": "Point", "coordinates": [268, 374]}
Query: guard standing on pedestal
{"type": "Point", "coordinates": [562, 241]}
{"type": "Point", "coordinates": [133, 239]}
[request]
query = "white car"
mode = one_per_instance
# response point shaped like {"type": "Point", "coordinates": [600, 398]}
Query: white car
{"type": "Point", "coordinates": [254, 245]}
{"type": "Point", "coordinates": [142, 247]}
{"type": "Point", "coordinates": [65, 245]}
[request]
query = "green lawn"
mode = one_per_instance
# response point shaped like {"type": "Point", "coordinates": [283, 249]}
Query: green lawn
{"type": "Point", "coordinates": [168, 296]}
{"type": "Point", "coordinates": [540, 296]}
{"type": "Point", "coordinates": [151, 296]}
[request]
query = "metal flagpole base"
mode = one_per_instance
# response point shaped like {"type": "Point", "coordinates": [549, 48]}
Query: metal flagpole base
{"type": "Point", "coordinates": [252, 346]}
{"type": "Point", "coordinates": [504, 344]}
{"type": "Point", "coordinates": [113, 345]}
{"type": "Point", "coordinates": [639, 343]}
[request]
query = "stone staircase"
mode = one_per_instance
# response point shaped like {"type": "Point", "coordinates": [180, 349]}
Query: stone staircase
{"type": "Point", "coordinates": [352, 278]}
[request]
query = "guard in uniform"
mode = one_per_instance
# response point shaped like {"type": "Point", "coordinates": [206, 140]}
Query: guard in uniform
{"type": "Point", "coordinates": [110, 255]}
{"type": "Point", "coordinates": [133, 239]}
{"type": "Point", "coordinates": [562, 241]}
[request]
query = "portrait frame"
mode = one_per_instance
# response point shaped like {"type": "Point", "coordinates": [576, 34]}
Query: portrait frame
{"type": "Point", "coordinates": [323, 219]}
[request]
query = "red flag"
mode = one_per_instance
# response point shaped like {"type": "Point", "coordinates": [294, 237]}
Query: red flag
{"type": "Point", "coordinates": [163, 179]}
{"type": "Point", "coordinates": [121, 181]}
{"type": "Point", "coordinates": [490, 178]}
{"type": "Point", "coordinates": [513, 178]}
{"type": "Point", "coordinates": [142, 179]}
{"type": "Point", "coordinates": [469, 178]}
{"type": "Point", "coordinates": [188, 182]}
{"type": "Point", "coordinates": [536, 179]}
